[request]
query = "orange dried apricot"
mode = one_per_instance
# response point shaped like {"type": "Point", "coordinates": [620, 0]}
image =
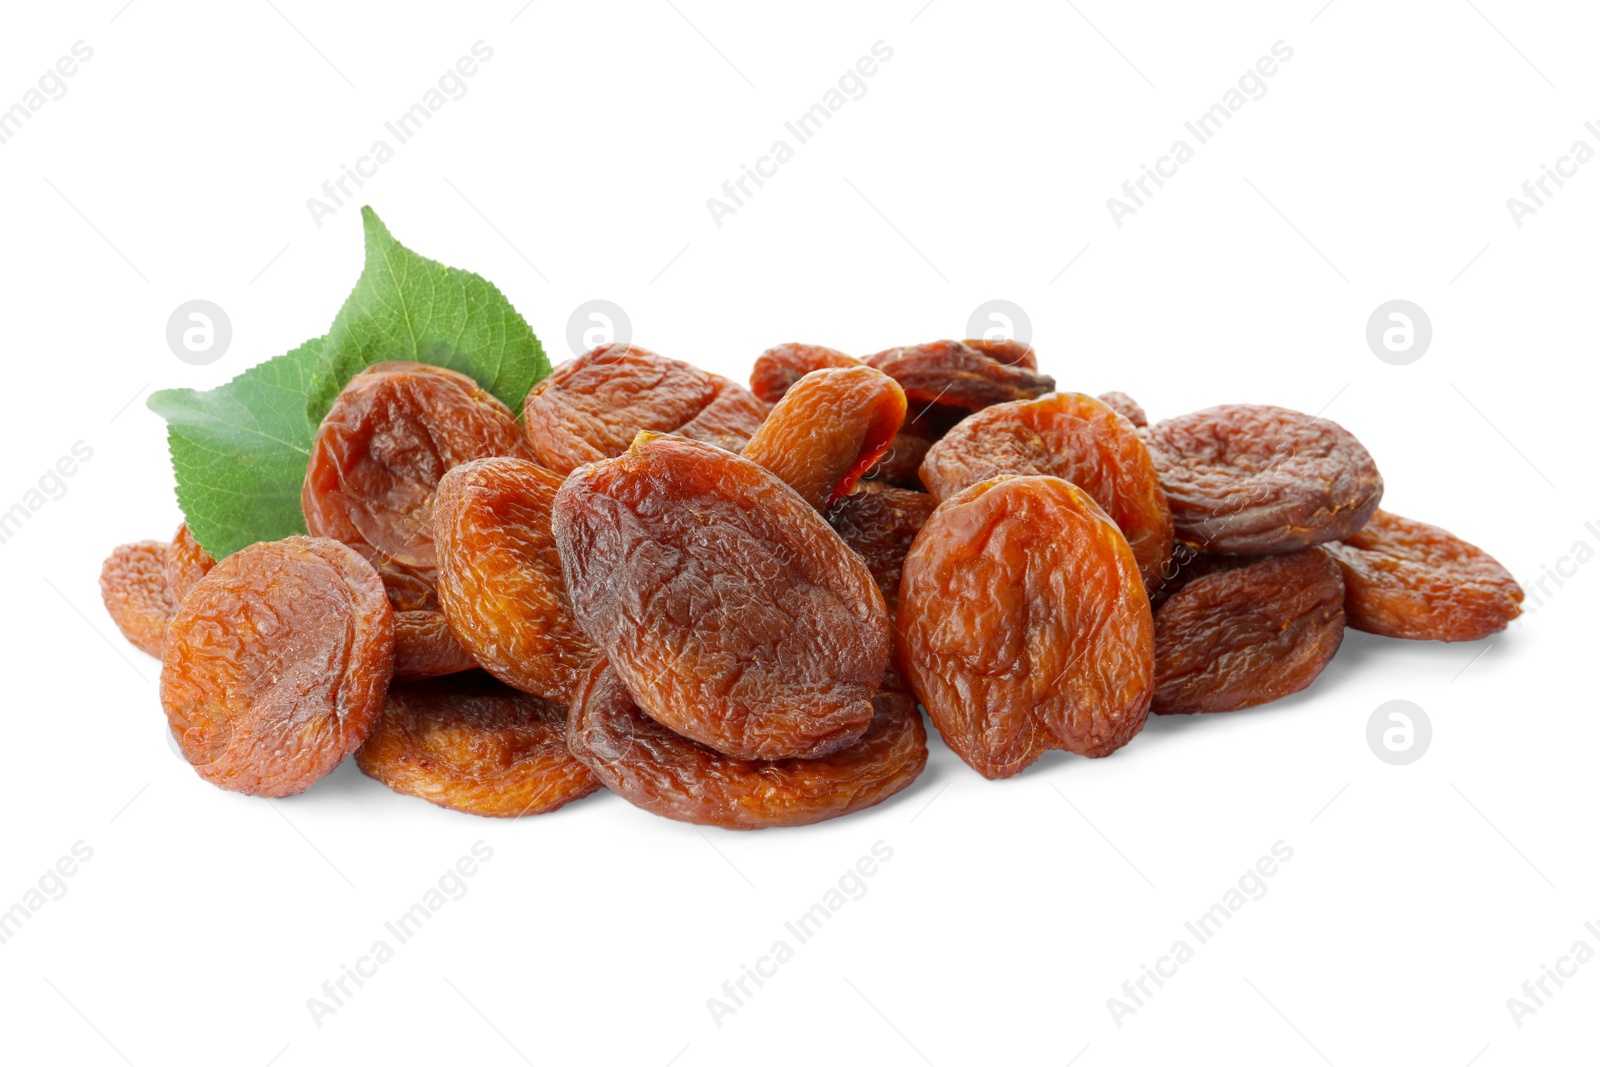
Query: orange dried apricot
{"type": "Point", "coordinates": [276, 664]}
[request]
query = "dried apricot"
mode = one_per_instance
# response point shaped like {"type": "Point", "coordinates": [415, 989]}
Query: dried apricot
{"type": "Point", "coordinates": [1404, 578]}
{"type": "Point", "coordinates": [133, 584]}
{"type": "Point", "coordinates": [500, 578]}
{"type": "Point", "coordinates": [655, 769]}
{"type": "Point", "coordinates": [1127, 407]}
{"type": "Point", "coordinates": [472, 744]}
{"type": "Point", "coordinates": [899, 463]}
{"type": "Point", "coordinates": [425, 647]}
{"type": "Point", "coordinates": [1187, 564]}
{"type": "Point", "coordinates": [1076, 438]}
{"type": "Point", "coordinates": [957, 374]}
{"type": "Point", "coordinates": [828, 430]}
{"type": "Point", "coordinates": [730, 420]}
{"type": "Point", "coordinates": [186, 563]}
{"type": "Point", "coordinates": [781, 366]}
{"type": "Point", "coordinates": [1247, 479]}
{"type": "Point", "coordinates": [391, 435]}
{"type": "Point", "coordinates": [1246, 635]}
{"type": "Point", "coordinates": [1011, 352]}
{"type": "Point", "coordinates": [409, 588]}
{"type": "Point", "coordinates": [276, 664]}
{"type": "Point", "coordinates": [590, 408]}
{"type": "Point", "coordinates": [1024, 626]}
{"type": "Point", "coordinates": [880, 523]}
{"type": "Point", "coordinates": [728, 606]}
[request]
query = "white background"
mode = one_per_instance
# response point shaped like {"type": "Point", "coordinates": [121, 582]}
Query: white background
{"type": "Point", "coordinates": [976, 166]}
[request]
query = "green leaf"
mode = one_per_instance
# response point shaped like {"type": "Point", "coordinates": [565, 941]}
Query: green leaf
{"type": "Point", "coordinates": [240, 451]}
{"type": "Point", "coordinates": [408, 307]}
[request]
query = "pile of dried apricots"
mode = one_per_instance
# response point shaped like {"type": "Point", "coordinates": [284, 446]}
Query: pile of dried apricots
{"type": "Point", "coordinates": [726, 605]}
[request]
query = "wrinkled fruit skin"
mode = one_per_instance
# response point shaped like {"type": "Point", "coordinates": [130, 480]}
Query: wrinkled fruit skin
{"type": "Point", "coordinates": [899, 464]}
{"type": "Point", "coordinates": [409, 588]}
{"type": "Point", "coordinates": [962, 374]}
{"type": "Point", "coordinates": [655, 769]}
{"type": "Point", "coordinates": [880, 523]}
{"type": "Point", "coordinates": [277, 663]}
{"type": "Point", "coordinates": [133, 585]}
{"type": "Point", "coordinates": [1247, 479]}
{"type": "Point", "coordinates": [781, 366]}
{"type": "Point", "coordinates": [828, 430]}
{"type": "Point", "coordinates": [730, 609]}
{"type": "Point", "coordinates": [1407, 579]}
{"type": "Point", "coordinates": [471, 744]}
{"type": "Point", "coordinates": [1127, 407]}
{"type": "Point", "coordinates": [1006, 350]}
{"type": "Point", "coordinates": [186, 563]}
{"type": "Point", "coordinates": [1246, 635]}
{"type": "Point", "coordinates": [424, 646]}
{"type": "Point", "coordinates": [1024, 625]}
{"type": "Point", "coordinates": [1076, 438]}
{"type": "Point", "coordinates": [500, 580]}
{"type": "Point", "coordinates": [390, 436]}
{"type": "Point", "coordinates": [1186, 565]}
{"type": "Point", "coordinates": [590, 408]}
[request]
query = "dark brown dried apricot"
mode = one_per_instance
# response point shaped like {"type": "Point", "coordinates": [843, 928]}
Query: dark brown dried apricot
{"type": "Point", "coordinates": [1187, 564]}
{"type": "Point", "coordinates": [728, 606]}
{"type": "Point", "coordinates": [1024, 625]}
{"type": "Point", "coordinates": [1076, 438]}
{"type": "Point", "coordinates": [1407, 579]}
{"type": "Point", "coordinates": [655, 769]}
{"type": "Point", "coordinates": [1011, 352]}
{"type": "Point", "coordinates": [781, 366]}
{"type": "Point", "coordinates": [1246, 479]}
{"type": "Point", "coordinates": [379, 454]}
{"type": "Point", "coordinates": [899, 463]}
{"type": "Point", "coordinates": [828, 430]}
{"type": "Point", "coordinates": [472, 744]}
{"type": "Point", "coordinates": [1127, 407]}
{"type": "Point", "coordinates": [409, 588]}
{"type": "Point", "coordinates": [276, 664]}
{"type": "Point", "coordinates": [425, 647]}
{"type": "Point", "coordinates": [186, 563]}
{"type": "Point", "coordinates": [1247, 635]}
{"type": "Point", "coordinates": [133, 585]}
{"type": "Point", "coordinates": [957, 374]}
{"type": "Point", "coordinates": [880, 523]}
{"type": "Point", "coordinates": [500, 578]}
{"type": "Point", "coordinates": [728, 422]}
{"type": "Point", "coordinates": [590, 408]}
